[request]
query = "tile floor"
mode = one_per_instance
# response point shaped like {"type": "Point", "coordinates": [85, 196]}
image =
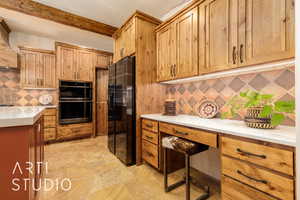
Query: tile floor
{"type": "Point", "coordinates": [96, 174]}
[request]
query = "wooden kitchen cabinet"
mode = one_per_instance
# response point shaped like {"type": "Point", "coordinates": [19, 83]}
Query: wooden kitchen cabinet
{"type": "Point", "coordinates": [221, 34]}
{"type": "Point", "coordinates": [266, 31]}
{"type": "Point", "coordinates": [38, 68]}
{"type": "Point", "coordinates": [229, 34]}
{"type": "Point", "coordinates": [78, 64]}
{"type": "Point", "coordinates": [177, 48]}
{"type": "Point", "coordinates": [85, 65]}
{"type": "Point", "coordinates": [66, 63]}
{"type": "Point", "coordinates": [187, 45]}
{"type": "Point", "coordinates": [166, 53]}
{"type": "Point", "coordinates": [125, 40]}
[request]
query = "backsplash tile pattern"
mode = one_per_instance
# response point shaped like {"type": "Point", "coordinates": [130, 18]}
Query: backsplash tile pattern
{"type": "Point", "coordinates": [281, 83]}
{"type": "Point", "coordinates": [12, 93]}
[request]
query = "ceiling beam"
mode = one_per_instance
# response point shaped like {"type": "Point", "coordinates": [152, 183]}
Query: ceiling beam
{"type": "Point", "coordinates": [36, 9]}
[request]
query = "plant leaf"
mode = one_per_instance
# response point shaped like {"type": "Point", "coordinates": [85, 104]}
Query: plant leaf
{"type": "Point", "coordinates": [266, 96]}
{"type": "Point", "coordinates": [244, 94]}
{"type": "Point", "coordinates": [285, 106]}
{"type": "Point", "coordinates": [267, 111]}
{"type": "Point", "coordinates": [277, 119]}
{"type": "Point", "coordinates": [224, 115]}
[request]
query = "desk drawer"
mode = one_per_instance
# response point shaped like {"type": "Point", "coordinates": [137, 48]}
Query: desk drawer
{"type": "Point", "coordinates": [49, 121]}
{"type": "Point", "coordinates": [258, 178]}
{"type": "Point", "coordinates": [50, 112]}
{"type": "Point", "coordinates": [150, 153]}
{"type": "Point", "coordinates": [234, 190]}
{"type": "Point", "coordinates": [276, 159]}
{"type": "Point", "coordinates": [150, 125]}
{"type": "Point", "coordinates": [200, 136]}
{"type": "Point", "coordinates": [150, 136]}
{"type": "Point", "coordinates": [74, 130]}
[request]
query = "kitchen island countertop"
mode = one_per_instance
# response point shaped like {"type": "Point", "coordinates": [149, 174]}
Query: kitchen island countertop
{"type": "Point", "coordinates": [285, 135]}
{"type": "Point", "coordinates": [19, 115]}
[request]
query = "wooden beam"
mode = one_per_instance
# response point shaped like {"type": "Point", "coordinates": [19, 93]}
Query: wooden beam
{"type": "Point", "coordinates": [46, 12]}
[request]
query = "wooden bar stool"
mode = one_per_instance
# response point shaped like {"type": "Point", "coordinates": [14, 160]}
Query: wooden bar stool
{"type": "Point", "coordinates": [188, 148]}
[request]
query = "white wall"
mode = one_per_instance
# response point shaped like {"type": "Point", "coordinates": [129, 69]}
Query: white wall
{"type": "Point", "coordinates": [298, 97]}
{"type": "Point", "coordinates": [174, 11]}
{"type": "Point", "coordinates": [17, 39]}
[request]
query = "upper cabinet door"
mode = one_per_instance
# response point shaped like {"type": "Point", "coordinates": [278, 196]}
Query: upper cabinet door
{"type": "Point", "coordinates": [66, 63]}
{"type": "Point", "coordinates": [187, 44]}
{"type": "Point", "coordinates": [266, 31]}
{"type": "Point", "coordinates": [30, 62]}
{"type": "Point", "coordinates": [49, 66]}
{"type": "Point", "coordinates": [85, 65]}
{"type": "Point", "coordinates": [103, 61]}
{"type": "Point", "coordinates": [129, 38]}
{"type": "Point", "coordinates": [166, 53]}
{"type": "Point", "coordinates": [221, 34]}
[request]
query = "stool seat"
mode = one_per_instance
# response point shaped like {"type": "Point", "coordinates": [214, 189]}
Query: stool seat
{"type": "Point", "coordinates": [183, 146]}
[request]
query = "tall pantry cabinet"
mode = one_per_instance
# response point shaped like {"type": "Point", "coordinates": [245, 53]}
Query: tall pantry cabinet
{"type": "Point", "coordinates": [137, 38]}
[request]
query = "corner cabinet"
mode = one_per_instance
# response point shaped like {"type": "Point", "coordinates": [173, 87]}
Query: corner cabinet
{"type": "Point", "coordinates": [38, 69]}
{"type": "Point", "coordinates": [216, 35]}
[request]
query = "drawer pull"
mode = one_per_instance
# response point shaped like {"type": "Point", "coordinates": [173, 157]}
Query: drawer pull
{"type": "Point", "coordinates": [149, 125]}
{"type": "Point", "coordinates": [251, 178]}
{"type": "Point", "coordinates": [251, 154]}
{"type": "Point", "coordinates": [179, 133]}
{"type": "Point", "coordinates": [149, 137]}
{"type": "Point", "coordinates": [149, 154]}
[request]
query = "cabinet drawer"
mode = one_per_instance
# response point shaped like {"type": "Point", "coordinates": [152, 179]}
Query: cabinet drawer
{"type": "Point", "coordinates": [49, 121]}
{"type": "Point", "coordinates": [150, 125]}
{"type": "Point", "coordinates": [49, 134]}
{"type": "Point", "coordinates": [74, 130]}
{"type": "Point", "coordinates": [258, 178]}
{"type": "Point", "coordinates": [150, 136]}
{"type": "Point", "coordinates": [150, 153]}
{"type": "Point", "coordinates": [276, 159]}
{"type": "Point", "coordinates": [234, 190]}
{"type": "Point", "coordinates": [50, 112]}
{"type": "Point", "coordinates": [200, 136]}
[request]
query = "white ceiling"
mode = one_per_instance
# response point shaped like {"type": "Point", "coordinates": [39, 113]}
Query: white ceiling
{"type": "Point", "coordinates": [112, 12]}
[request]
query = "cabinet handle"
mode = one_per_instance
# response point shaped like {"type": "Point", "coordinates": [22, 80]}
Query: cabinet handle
{"type": "Point", "coordinates": [175, 70]}
{"type": "Point", "coordinates": [149, 125]}
{"type": "Point", "coordinates": [75, 75]}
{"type": "Point", "coordinates": [42, 82]}
{"type": "Point", "coordinates": [78, 75]}
{"type": "Point", "coordinates": [179, 133]}
{"type": "Point", "coordinates": [234, 55]}
{"type": "Point", "coordinates": [241, 53]}
{"type": "Point", "coordinates": [149, 137]}
{"type": "Point", "coordinates": [149, 154]}
{"type": "Point", "coordinates": [250, 154]}
{"type": "Point", "coordinates": [171, 70]}
{"type": "Point", "coordinates": [251, 178]}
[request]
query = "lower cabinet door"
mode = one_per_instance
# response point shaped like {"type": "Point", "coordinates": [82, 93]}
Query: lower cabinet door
{"type": "Point", "coordinates": [49, 134]}
{"type": "Point", "coordinates": [234, 190]}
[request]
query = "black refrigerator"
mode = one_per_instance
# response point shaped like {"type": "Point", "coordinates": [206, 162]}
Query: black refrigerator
{"type": "Point", "coordinates": [121, 110]}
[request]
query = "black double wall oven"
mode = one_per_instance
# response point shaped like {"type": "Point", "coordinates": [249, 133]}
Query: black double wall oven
{"type": "Point", "coordinates": [75, 102]}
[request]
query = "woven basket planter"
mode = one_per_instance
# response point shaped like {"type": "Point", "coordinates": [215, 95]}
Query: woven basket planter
{"type": "Point", "coordinates": [254, 120]}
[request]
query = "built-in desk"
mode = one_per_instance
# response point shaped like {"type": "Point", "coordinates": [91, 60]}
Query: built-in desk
{"type": "Point", "coordinates": [256, 163]}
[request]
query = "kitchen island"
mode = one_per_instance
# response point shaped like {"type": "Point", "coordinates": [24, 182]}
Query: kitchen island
{"type": "Point", "coordinates": [22, 151]}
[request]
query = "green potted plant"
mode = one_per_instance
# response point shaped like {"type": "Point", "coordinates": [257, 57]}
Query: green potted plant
{"type": "Point", "coordinates": [262, 111]}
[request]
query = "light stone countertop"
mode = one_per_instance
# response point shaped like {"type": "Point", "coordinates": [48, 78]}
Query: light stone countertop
{"type": "Point", "coordinates": [285, 135]}
{"type": "Point", "coordinates": [19, 115]}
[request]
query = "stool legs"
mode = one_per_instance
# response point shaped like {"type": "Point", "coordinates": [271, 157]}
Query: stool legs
{"type": "Point", "coordinates": [187, 177]}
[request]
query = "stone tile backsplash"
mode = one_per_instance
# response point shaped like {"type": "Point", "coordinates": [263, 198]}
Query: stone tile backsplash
{"type": "Point", "coordinates": [281, 83]}
{"type": "Point", "coordinates": [12, 93]}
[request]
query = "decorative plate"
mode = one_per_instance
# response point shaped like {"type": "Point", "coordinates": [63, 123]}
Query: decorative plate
{"type": "Point", "coordinates": [208, 109]}
{"type": "Point", "coordinates": [45, 99]}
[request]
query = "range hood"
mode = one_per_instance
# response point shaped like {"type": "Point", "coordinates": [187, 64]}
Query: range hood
{"type": "Point", "coordinates": [8, 57]}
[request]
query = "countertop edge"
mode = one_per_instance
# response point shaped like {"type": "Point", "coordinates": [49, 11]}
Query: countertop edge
{"type": "Point", "coordinates": [234, 133]}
